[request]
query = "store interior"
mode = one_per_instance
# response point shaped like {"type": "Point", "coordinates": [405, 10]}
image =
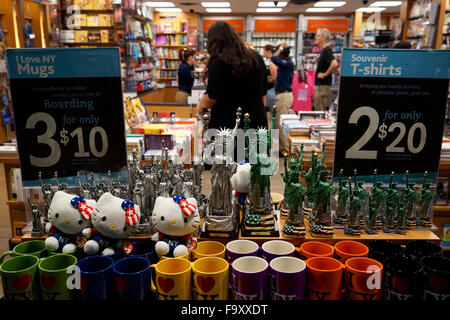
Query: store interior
{"type": "Point", "coordinates": [151, 36]}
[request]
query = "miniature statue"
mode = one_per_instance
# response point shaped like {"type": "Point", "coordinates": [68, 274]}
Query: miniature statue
{"type": "Point", "coordinates": [140, 199]}
{"type": "Point", "coordinates": [374, 205]}
{"type": "Point", "coordinates": [187, 177]}
{"type": "Point", "coordinates": [311, 179]}
{"type": "Point", "coordinates": [340, 216]}
{"type": "Point", "coordinates": [165, 187]}
{"type": "Point", "coordinates": [37, 230]}
{"type": "Point", "coordinates": [47, 193]}
{"type": "Point", "coordinates": [150, 185]}
{"type": "Point", "coordinates": [411, 197]}
{"type": "Point", "coordinates": [425, 204]}
{"type": "Point", "coordinates": [352, 225]}
{"type": "Point", "coordinates": [61, 186]}
{"type": "Point", "coordinates": [363, 195]}
{"type": "Point", "coordinates": [400, 225]}
{"type": "Point", "coordinates": [84, 188]}
{"type": "Point", "coordinates": [391, 206]}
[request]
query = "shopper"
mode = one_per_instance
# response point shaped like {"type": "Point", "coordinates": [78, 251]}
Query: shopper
{"type": "Point", "coordinates": [283, 89]}
{"type": "Point", "coordinates": [271, 76]}
{"type": "Point", "coordinates": [185, 77]}
{"type": "Point", "coordinates": [236, 78]}
{"type": "Point", "coordinates": [325, 67]}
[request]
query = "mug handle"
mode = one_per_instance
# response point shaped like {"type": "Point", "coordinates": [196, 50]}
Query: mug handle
{"type": "Point", "coordinates": [3, 256]}
{"type": "Point", "coordinates": [152, 276]}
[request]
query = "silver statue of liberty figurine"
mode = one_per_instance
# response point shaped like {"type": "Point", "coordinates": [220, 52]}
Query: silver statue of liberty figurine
{"type": "Point", "coordinates": [47, 193]}
{"type": "Point", "coordinates": [37, 230]}
{"type": "Point", "coordinates": [61, 186]}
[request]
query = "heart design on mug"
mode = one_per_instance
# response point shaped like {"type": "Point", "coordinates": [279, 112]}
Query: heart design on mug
{"type": "Point", "coordinates": [48, 281]}
{"type": "Point", "coordinates": [284, 285]}
{"type": "Point", "coordinates": [400, 284]}
{"type": "Point", "coordinates": [21, 283]}
{"type": "Point", "coordinates": [245, 285]}
{"type": "Point", "coordinates": [165, 284]}
{"type": "Point", "coordinates": [83, 284]}
{"type": "Point", "coordinates": [121, 285]}
{"type": "Point", "coordinates": [205, 283]}
{"type": "Point", "coordinates": [437, 284]}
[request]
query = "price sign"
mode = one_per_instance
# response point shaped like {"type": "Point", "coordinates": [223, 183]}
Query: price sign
{"type": "Point", "coordinates": [68, 113]}
{"type": "Point", "coordinates": [391, 112]}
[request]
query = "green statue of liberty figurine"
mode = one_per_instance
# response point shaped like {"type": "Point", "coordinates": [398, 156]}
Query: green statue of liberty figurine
{"type": "Point", "coordinates": [363, 195]}
{"type": "Point", "coordinates": [374, 205]}
{"type": "Point", "coordinates": [425, 204]}
{"type": "Point", "coordinates": [343, 196]}
{"type": "Point", "coordinates": [400, 225]}
{"type": "Point", "coordinates": [352, 225]}
{"type": "Point", "coordinates": [391, 206]}
{"type": "Point", "coordinates": [294, 196]}
{"type": "Point", "coordinates": [311, 178]}
{"type": "Point", "coordinates": [411, 197]}
{"type": "Point", "coordinates": [291, 175]}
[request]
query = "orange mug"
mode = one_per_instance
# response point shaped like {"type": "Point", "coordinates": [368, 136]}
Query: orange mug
{"type": "Point", "coordinates": [350, 249]}
{"type": "Point", "coordinates": [363, 279]}
{"type": "Point", "coordinates": [324, 278]}
{"type": "Point", "coordinates": [313, 249]}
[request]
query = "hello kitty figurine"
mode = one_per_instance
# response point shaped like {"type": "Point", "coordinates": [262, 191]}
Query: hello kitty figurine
{"type": "Point", "coordinates": [240, 181]}
{"type": "Point", "coordinates": [68, 215]}
{"type": "Point", "coordinates": [113, 220]}
{"type": "Point", "coordinates": [175, 219]}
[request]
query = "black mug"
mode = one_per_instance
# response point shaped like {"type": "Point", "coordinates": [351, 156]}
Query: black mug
{"type": "Point", "coordinates": [417, 249]}
{"type": "Point", "coordinates": [381, 250]}
{"type": "Point", "coordinates": [436, 278]}
{"type": "Point", "coordinates": [402, 279]}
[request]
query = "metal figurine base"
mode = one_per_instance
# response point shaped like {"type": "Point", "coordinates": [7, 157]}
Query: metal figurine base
{"type": "Point", "coordinates": [271, 230]}
{"type": "Point", "coordinates": [222, 226]}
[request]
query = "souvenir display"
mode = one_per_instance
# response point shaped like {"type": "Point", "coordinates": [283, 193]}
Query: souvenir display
{"type": "Point", "coordinates": [426, 200]}
{"type": "Point", "coordinates": [391, 206]}
{"type": "Point", "coordinates": [37, 230]}
{"type": "Point", "coordinates": [340, 217]}
{"type": "Point", "coordinates": [47, 193]}
{"type": "Point", "coordinates": [411, 197]}
{"type": "Point", "coordinates": [374, 205]}
{"type": "Point", "coordinates": [352, 225]}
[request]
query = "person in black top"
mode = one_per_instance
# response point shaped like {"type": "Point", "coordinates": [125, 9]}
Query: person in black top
{"type": "Point", "coordinates": [325, 67]}
{"type": "Point", "coordinates": [185, 78]}
{"type": "Point", "coordinates": [236, 78]}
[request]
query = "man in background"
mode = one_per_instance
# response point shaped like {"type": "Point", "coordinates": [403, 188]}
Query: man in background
{"type": "Point", "coordinates": [325, 67]}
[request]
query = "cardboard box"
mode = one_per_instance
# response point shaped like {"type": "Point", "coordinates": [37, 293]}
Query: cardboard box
{"type": "Point", "coordinates": [104, 36]}
{"type": "Point", "coordinates": [81, 36]}
{"type": "Point", "coordinates": [84, 4]}
{"type": "Point", "coordinates": [92, 21]}
{"type": "Point", "coordinates": [104, 20]}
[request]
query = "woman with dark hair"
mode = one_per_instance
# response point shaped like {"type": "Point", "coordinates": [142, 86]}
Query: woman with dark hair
{"type": "Point", "coordinates": [185, 78]}
{"type": "Point", "coordinates": [236, 78]}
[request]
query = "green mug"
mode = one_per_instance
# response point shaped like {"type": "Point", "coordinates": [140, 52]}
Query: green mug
{"type": "Point", "coordinates": [33, 247]}
{"type": "Point", "coordinates": [72, 253]}
{"type": "Point", "coordinates": [54, 277]}
{"type": "Point", "coordinates": [19, 278]}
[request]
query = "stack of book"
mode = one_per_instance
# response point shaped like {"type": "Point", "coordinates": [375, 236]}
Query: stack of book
{"type": "Point", "coordinates": [445, 150]}
{"type": "Point", "coordinates": [308, 146]}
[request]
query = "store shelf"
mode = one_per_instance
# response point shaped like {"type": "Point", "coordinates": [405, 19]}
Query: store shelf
{"type": "Point", "coordinates": [96, 27]}
{"type": "Point", "coordinates": [415, 18]}
{"type": "Point", "coordinates": [170, 69]}
{"type": "Point", "coordinates": [93, 11]}
{"type": "Point", "coordinates": [164, 33]}
{"type": "Point", "coordinates": [146, 90]}
{"type": "Point", "coordinates": [171, 46]}
{"type": "Point", "coordinates": [168, 59]}
{"type": "Point", "coordinates": [167, 78]}
{"type": "Point", "coordinates": [137, 16]}
{"type": "Point", "coordinates": [142, 70]}
{"type": "Point", "coordinates": [414, 37]}
{"type": "Point", "coordinates": [92, 43]}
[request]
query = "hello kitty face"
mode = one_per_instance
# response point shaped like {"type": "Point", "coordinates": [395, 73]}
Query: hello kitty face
{"type": "Point", "coordinates": [168, 218]}
{"type": "Point", "coordinates": [64, 216]}
{"type": "Point", "coordinates": [110, 218]}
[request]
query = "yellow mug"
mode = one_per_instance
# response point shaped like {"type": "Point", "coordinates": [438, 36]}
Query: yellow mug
{"type": "Point", "coordinates": [208, 249]}
{"type": "Point", "coordinates": [210, 279]}
{"type": "Point", "coordinates": [171, 279]}
{"type": "Point", "coordinates": [187, 256]}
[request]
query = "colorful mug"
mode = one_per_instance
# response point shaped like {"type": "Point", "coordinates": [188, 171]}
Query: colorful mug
{"type": "Point", "coordinates": [19, 278]}
{"type": "Point", "coordinates": [210, 279]}
{"type": "Point", "coordinates": [402, 279]}
{"type": "Point", "coordinates": [171, 279]}
{"type": "Point", "coordinates": [436, 278]}
{"type": "Point", "coordinates": [313, 249]}
{"type": "Point", "coordinates": [187, 257]}
{"type": "Point", "coordinates": [241, 248]}
{"type": "Point", "coordinates": [350, 249]}
{"type": "Point", "coordinates": [249, 278]}
{"type": "Point", "coordinates": [417, 249]}
{"type": "Point", "coordinates": [132, 278]}
{"type": "Point", "coordinates": [324, 278]}
{"type": "Point", "coordinates": [96, 278]}
{"type": "Point", "coordinates": [381, 250]}
{"type": "Point", "coordinates": [277, 248]}
{"type": "Point", "coordinates": [363, 279]}
{"type": "Point", "coordinates": [288, 277]}
{"type": "Point", "coordinates": [33, 247]}
{"type": "Point", "coordinates": [145, 249]}
{"type": "Point", "coordinates": [55, 277]}
{"type": "Point", "coordinates": [208, 249]}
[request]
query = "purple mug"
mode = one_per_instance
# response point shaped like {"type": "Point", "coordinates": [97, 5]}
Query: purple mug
{"type": "Point", "coordinates": [249, 276]}
{"type": "Point", "coordinates": [288, 278]}
{"type": "Point", "coordinates": [277, 248]}
{"type": "Point", "coordinates": [241, 248]}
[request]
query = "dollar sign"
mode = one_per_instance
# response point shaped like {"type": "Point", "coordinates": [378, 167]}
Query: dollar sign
{"type": "Point", "coordinates": [383, 132]}
{"type": "Point", "coordinates": [64, 137]}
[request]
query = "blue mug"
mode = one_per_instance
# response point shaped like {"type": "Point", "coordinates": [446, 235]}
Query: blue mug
{"type": "Point", "coordinates": [96, 278]}
{"type": "Point", "coordinates": [145, 249]}
{"type": "Point", "coordinates": [132, 278]}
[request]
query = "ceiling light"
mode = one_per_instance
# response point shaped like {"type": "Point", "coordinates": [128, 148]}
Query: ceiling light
{"type": "Point", "coordinates": [268, 9]}
{"type": "Point", "coordinates": [160, 4]}
{"type": "Point", "coordinates": [329, 4]}
{"type": "Point", "coordinates": [386, 4]}
{"type": "Point", "coordinates": [369, 10]}
{"type": "Point", "coordinates": [168, 10]}
{"type": "Point", "coordinates": [216, 4]}
{"type": "Point", "coordinates": [319, 9]}
{"type": "Point", "coordinates": [225, 10]}
{"type": "Point", "coordinates": [271, 4]}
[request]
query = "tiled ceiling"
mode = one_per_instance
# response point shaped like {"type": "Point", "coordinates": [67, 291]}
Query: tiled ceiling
{"type": "Point", "coordinates": [249, 7]}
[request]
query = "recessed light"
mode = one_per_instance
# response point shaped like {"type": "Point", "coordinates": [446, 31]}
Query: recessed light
{"type": "Point", "coordinates": [268, 9]}
{"type": "Point", "coordinates": [216, 4]}
{"type": "Point", "coordinates": [168, 10]}
{"type": "Point", "coordinates": [329, 4]}
{"type": "Point", "coordinates": [386, 4]}
{"type": "Point", "coordinates": [370, 10]}
{"type": "Point", "coordinates": [271, 4]}
{"type": "Point", "coordinates": [319, 9]}
{"type": "Point", "coordinates": [224, 10]}
{"type": "Point", "coordinates": [160, 4]}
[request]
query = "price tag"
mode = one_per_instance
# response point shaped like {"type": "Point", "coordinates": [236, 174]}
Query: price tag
{"type": "Point", "coordinates": [68, 113]}
{"type": "Point", "coordinates": [391, 112]}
